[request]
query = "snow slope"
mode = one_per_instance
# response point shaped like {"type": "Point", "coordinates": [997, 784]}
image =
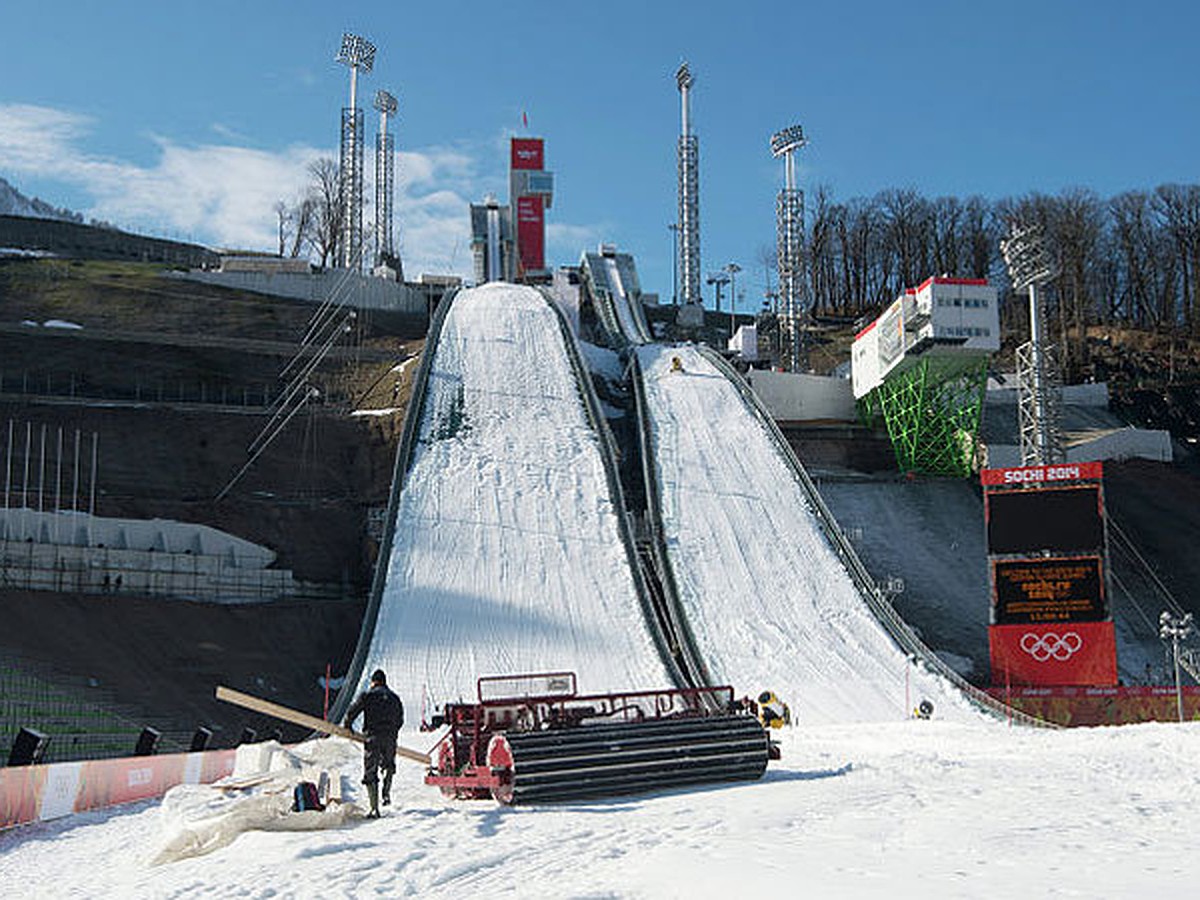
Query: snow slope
{"type": "Point", "coordinates": [507, 555]}
{"type": "Point", "coordinates": [622, 302]}
{"type": "Point", "coordinates": [905, 809]}
{"type": "Point", "coordinates": [769, 603]}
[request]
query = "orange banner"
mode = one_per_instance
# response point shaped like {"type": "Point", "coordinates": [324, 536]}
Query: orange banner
{"type": "Point", "coordinates": [31, 793]}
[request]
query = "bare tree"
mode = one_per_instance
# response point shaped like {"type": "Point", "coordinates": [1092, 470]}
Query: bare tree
{"type": "Point", "coordinates": [325, 196]}
{"type": "Point", "coordinates": [1178, 207]}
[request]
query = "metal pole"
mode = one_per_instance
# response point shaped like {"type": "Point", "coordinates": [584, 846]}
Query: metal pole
{"type": "Point", "coordinates": [8, 465]}
{"type": "Point", "coordinates": [58, 474]}
{"type": "Point", "coordinates": [732, 299]}
{"type": "Point", "coordinates": [75, 483]}
{"type": "Point", "coordinates": [1178, 685]}
{"type": "Point", "coordinates": [92, 499]}
{"type": "Point", "coordinates": [42, 474]}
{"type": "Point", "coordinates": [25, 479]}
{"type": "Point", "coordinates": [674, 229]}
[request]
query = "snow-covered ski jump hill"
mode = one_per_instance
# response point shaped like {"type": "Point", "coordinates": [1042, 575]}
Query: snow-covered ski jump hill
{"type": "Point", "coordinates": [509, 550]}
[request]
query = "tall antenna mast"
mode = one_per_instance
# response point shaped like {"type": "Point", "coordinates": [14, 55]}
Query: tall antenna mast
{"type": "Point", "coordinates": [789, 243]}
{"type": "Point", "coordinates": [356, 53]}
{"type": "Point", "coordinates": [385, 155]}
{"type": "Point", "coordinates": [689, 196]}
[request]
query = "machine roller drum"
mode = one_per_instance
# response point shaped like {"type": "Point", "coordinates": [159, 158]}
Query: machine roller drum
{"type": "Point", "coordinates": [626, 757]}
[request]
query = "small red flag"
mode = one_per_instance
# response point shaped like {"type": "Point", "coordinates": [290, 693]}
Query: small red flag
{"type": "Point", "coordinates": [524, 119]}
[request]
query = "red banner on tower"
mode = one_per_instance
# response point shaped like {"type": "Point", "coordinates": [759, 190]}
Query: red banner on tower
{"type": "Point", "coordinates": [1079, 653]}
{"type": "Point", "coordinates": [531, 233]}
{"type": "Point", "coordinates": [1039, 475]}
{"type": "Point", "coordinates": [528, 153]}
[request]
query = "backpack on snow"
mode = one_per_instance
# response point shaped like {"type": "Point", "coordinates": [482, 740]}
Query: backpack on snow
{"type": "Point", "coordinates": [305, 796]}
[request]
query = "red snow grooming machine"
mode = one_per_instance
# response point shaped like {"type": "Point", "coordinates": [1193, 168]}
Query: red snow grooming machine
{"type": "Point", "coordinates": [533, 738]}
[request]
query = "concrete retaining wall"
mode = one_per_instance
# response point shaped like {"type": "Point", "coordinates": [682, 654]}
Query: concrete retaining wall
{"type": "Point", "coordinates": [794, 397]}
{"type": "Point", "coordinates": [357, 291]}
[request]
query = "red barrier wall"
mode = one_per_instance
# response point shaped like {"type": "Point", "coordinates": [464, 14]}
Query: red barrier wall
{"type": "Point", "coordinates": [1083, 706]}
{"type": "Point", "coordinates": [37, 793]}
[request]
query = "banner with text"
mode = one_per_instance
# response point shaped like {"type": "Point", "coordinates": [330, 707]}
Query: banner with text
{"type": "Point", "coordinates": [531, 233]}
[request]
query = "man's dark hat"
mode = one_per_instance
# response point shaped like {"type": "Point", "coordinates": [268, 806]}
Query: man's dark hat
{"type": "Point", "coordinates": [378, 677]}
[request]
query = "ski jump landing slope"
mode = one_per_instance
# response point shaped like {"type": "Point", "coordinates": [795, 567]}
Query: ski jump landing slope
{"type": "Point", "coordinates": [768, 601]}
{"type": "Point", "coordinates": [629, 316]}
{"type": "Point", "coordinates": [507, 550]}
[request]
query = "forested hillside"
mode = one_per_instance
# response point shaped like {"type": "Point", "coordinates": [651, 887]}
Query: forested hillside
{"type": "Point", "coordinates": [1131, 260]}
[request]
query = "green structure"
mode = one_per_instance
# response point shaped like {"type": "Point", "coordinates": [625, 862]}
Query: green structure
{"type": "Point", "coordinates": [931, 408]}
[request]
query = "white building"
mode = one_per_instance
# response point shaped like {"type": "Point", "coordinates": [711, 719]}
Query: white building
{"type": "Point", "coordinates": [943, 316]}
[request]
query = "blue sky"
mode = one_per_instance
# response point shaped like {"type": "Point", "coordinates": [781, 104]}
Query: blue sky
{"type": "Point", "coordinates": [191, 119]}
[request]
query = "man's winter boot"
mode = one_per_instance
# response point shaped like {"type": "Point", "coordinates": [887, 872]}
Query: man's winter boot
{"type": "Point", "coordinates": [387, 788]}
{"type": "Point", "coordinates": [373, 794]}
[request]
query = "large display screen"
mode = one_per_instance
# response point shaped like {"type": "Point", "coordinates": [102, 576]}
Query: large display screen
{"type": "Point", "coordinates": [1030, 591]}
{"type": "Point", "coordinates": [1065, 520]}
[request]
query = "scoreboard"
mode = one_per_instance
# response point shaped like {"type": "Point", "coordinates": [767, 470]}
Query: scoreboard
{"type": "Point", "coordinates": [1047, 558]}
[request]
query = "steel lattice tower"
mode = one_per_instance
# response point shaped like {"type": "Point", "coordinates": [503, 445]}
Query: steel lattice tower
{"type": "Point", "coordinates": [789, 248]}
{"type": "Point", "coordinates": [932, 412]}
{"type": "Point", "coordinates": [356, 53]}
{"type": "Point", "coordinates": [689, 196]}
{"type": "Point", "coordinates": [385, 171]}
{"type": "Point", "coordinates": [1039, 385]}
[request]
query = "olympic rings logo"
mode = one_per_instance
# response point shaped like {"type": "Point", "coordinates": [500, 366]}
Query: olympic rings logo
{"type": "Point", "coordinates": [1043, 647]}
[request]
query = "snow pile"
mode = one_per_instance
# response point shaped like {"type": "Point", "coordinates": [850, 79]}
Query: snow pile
{"type": "Point", "coordinates": [769, 603]}
{"type": "Point", "coordinates": [62, 323]}
{"type": "Point", "coordinates": [197, 819]}
{"type": "Point", "coordinates": [507, 555]}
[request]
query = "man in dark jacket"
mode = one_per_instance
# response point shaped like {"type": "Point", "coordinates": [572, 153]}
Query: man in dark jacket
{"type": "Point", "coordinates": [383, 714]}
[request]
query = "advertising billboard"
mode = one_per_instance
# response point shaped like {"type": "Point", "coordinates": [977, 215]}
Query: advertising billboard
{"type": "Point", "coordinates": [1059, 519]}
{"type": "Point", "coordinates": [1076, 653]}
{"type": "Point", "coordinates": [1032, 591]}
{"type": "Point", "coordinates": [531, 239]}
{"type": "Point", "coordinates": [1018, 476]}
{"type": "Point", "coordinates": [528, 153]}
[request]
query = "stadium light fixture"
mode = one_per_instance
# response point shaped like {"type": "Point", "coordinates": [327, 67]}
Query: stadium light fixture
{"type": "Point", "coordinates": [357, 52]}
{"type": "Point", "coordinates": [1175, 629]}
{"type": "Point", "coordinates": [718, 279]}
{"type": "Point", "coordinates": [788, 139]}
{"type": "Point", "coordinates": [386, 103]}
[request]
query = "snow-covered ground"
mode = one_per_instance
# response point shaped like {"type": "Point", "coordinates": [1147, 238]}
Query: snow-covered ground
{"type": "Point", "coordinates": [902, 809]}
{"type": "Point", "coordinates": [768, 601]}
{"type": "Point", "coordinates": [507, 556]}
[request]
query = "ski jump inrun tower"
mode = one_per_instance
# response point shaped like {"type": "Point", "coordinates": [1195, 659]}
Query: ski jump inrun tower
{"type": "Point", "coordinates": [356, 53]}
{"type": "Point", "coordinates": [689, 198]}
{"type": "Point", "coordinates": [789, 242]}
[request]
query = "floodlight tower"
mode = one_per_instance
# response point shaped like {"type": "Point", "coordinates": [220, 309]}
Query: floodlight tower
{"type": "Point", "coordinates": [1039, 387]}
{"type": "Point", "coordinates": [689, 196]}
{"type": "Point", "coordinates": [356, 53]}
{"type": "Point", "coordinates": [385, 168]}
{"type": "Point", "coordinates": [789, 243]}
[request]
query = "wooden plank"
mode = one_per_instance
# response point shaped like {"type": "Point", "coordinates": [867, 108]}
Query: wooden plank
{"type": "Point", "coordinates": [248, 701]}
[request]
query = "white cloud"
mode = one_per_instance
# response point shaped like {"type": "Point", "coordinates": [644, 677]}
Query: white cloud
{"type": "Point", "coordinates": [224, 195]}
